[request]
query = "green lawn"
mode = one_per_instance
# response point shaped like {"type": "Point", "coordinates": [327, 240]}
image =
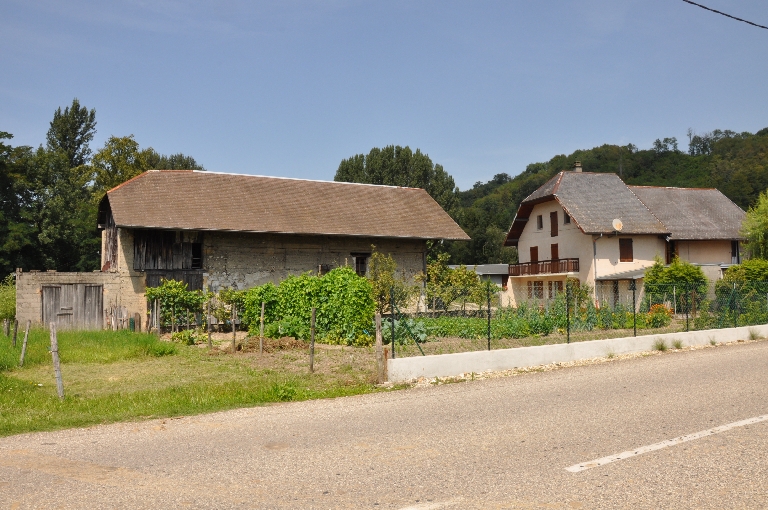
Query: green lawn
{"type": "Point", "coordinates": [119, 376]}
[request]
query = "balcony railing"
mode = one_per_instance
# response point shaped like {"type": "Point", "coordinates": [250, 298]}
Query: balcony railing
{"type": "Point", "coordinates": [545, 267]}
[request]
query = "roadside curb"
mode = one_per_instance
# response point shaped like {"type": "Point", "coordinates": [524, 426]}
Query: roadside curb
{"type": "Point", "coordinates": [453, 365]}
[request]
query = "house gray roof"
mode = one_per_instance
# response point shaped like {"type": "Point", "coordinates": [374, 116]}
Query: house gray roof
{"type": "Point", "coordinates": [195, 200]}
{"type": "Point", "coordinates": [593, 200]}
{"type": "Point", "coordinates": [693, 213]}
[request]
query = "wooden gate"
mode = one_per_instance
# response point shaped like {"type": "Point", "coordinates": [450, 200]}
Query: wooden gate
{"type": "Point", "coordinates": [73, 306]}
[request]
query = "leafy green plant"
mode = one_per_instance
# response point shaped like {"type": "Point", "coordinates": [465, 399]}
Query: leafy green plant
{"type": "Point", "coordinates": [8, 297]}
{"type": "Point", "coordinates": [659, 316]}
{"type": "Point", "coordinates": [176, 302]}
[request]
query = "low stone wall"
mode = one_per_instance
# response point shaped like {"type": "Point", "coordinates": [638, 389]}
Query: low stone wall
{"type": "Point", "coordinates": [449, 365]}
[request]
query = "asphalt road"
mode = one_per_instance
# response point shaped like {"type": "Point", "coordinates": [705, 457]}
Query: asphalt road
{"type": "Point", "coordinates": [498, 443]}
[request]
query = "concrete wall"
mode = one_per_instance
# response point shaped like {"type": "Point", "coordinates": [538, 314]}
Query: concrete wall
{"type": "Point", "coordinates": [450, 365]}
{"type": "Point", "coordinates": [704, 252]}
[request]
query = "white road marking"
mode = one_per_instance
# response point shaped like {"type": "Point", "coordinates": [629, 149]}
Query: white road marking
{"type": "Point", "coordinates": [582, 466]}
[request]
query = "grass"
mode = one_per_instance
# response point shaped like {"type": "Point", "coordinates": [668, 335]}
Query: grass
{"type": "Point", "coordinates": [754, 334]}
{"type": "Point", "coordinates": [677, 344]}
{"type": "Point", "coordinates": [122, 376]}
{"type": "Point", "coordinates": [660, 345]}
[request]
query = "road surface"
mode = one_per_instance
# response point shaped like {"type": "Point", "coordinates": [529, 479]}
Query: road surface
{"type": "Point", "coordinates": [529, 441]}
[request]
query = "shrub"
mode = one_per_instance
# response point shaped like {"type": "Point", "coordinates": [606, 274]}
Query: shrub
{"type": "Point", "coordinates": [659, 316]}
{"type": "Point", "coordinates": [8, 297]}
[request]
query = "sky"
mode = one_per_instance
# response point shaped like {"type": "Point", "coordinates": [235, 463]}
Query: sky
{"type": "Point", "coordinates": [290, 88]}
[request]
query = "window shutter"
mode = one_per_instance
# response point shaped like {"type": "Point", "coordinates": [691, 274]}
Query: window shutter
{"type": "Point", "coordinates": [534, 253]}
{"type": "Point", "coordinates": [555, 252]}
{"type": "Point", "coordinates": [553, 224]}
{"type": "Point", "coordinates": [625, 250]}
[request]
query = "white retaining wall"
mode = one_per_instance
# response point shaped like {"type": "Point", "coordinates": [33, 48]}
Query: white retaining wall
{"type": "Point", "coordinates": [449, 365]}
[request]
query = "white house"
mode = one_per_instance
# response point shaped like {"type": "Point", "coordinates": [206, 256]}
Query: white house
{"type": "Point", "coordinates": [593, 227]}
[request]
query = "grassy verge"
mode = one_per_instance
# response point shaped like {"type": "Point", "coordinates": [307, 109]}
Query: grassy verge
{"type": "Point", "coordinates": [118, 376]}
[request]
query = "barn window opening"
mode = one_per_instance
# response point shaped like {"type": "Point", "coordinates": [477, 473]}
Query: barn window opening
{"type": "Point", "coordinates": [539, 222]}
{"type": "Point", "coordinates": [361, 263]}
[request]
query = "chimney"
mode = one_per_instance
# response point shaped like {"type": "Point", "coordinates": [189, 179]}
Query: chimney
{"type": "Point", "coordinates": [577, 166]}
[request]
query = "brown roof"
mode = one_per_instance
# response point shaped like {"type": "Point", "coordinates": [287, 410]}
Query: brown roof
{"type": "Point", "coordinates": [196, 200]}
{"type": "Point", "coordinates": [693, 213]}
{"type": "Point", "coordinates": [593, 200]}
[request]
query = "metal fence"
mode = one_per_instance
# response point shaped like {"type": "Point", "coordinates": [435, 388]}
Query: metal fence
{"type": "Point", "coordinates": [560, 313]}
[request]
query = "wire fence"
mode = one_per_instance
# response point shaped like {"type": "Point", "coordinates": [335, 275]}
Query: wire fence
{"type": "Point", "coordinates": [562, 313]}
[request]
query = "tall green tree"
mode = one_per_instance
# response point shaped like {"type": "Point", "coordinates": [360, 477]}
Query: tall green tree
{"type": "Point", "coordinates": [400, 166]}
{"type": "Point", "coordinates": [755, 228]}
{"type": "Point", "coordinates": [71, 131]}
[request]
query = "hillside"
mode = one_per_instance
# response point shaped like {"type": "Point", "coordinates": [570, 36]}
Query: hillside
{"type": "Point", "coordinates": [734, 163]}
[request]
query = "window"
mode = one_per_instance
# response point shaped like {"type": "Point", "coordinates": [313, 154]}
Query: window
{"type": "Point", "coordinates": [535, 290]}
{"type": "Point", "coordinates": [539, 222]}
{"type": "Point", "coordinates": [534, 253]}
{"type": "Point", "coordinates": [566, 218]}
{"type": "Point", "coordinates": [625, 250]}
{"type": "Point", "coordinates": [555, 252]}
{"type": "Point", "coordinates": [735, 259]}
{"type": "Point", "coordinates": [361, 263]}
{"type": "Point", "coordinates": [553, 224]}
{"type": "Point", "coordinates": [554, 288]}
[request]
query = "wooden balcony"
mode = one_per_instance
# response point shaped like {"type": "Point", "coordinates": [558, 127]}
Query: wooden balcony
{"type": "Point", "coordinates": [545, 267]}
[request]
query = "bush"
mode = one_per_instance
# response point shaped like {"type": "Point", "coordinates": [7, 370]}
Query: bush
{"type": "Point", "coordinates": [8, 298]}
{"type": "Point", "coordinates": [659, 316]}
{"type": "Point", "coordinates": [343, 301]}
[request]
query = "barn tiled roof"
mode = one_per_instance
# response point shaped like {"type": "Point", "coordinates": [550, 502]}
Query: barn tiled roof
{"type": "Point", "coordinates": [198, 200]}
{"type": "Point", "coordinates": [693, 213]}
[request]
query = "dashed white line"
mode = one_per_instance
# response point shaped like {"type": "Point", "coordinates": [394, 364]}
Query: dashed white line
{"type": "Point", "coordinates": [583, 466]}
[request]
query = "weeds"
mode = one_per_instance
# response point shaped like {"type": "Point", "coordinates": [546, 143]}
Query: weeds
{"type": "Point", "coordinates": [712, 340]}
{"type": "Point", "coordinates": [754, 334]}
{"type": "Point", "coordinates": [677, 344]}
{"type": "Point", "coordinates": [660, 345]}
{"type": "Point", "coordinates": [610, 355]}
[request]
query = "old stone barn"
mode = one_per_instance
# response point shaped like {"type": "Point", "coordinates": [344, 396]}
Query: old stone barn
{"type": "Point", "coordinates": [214, 230]}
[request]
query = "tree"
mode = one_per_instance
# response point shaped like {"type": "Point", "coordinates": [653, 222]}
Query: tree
{"type": "Point", "coordinates": [385, 284]}
{"type": "Point", "coordinates": [400, 166]}
{"type": "Point", "coordinates": [119, 160]}
{"type": "Point", "coordinates": [178, 161]}
{"type": "Point", "coordinates": [71, 131]}
{"type": "Point", "coordinates": [755, 228]}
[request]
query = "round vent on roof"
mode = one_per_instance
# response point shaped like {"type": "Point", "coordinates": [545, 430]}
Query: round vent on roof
{"type": "Point", "coordinates": [617, 225]}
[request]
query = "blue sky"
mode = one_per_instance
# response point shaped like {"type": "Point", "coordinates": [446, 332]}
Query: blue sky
{"type": "Point", "coordinates": [290, 88]}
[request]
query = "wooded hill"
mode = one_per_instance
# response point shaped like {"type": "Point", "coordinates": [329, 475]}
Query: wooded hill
{"type": "Point", "coordinates": [734, 163]}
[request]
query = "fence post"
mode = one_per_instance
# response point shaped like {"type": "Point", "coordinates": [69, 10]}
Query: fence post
{"type": "Point", "coordinates": [568, 310]}
{"type": "Point", "coordinates": [379, 353]}
{"type": "Point", "coordinates": [687, 303]}
{"type": "Point", "coordinates": [15, 332]}
{"type": "Point", "coordinates": [56, 364]}
{"type": "Point", "coordinates": [633, 284]}
{"type": "Point", "coordinates": [312, 342]}
{"type": "Point", "coordinates": [488, 287]}
{"type": "Point", "coordinates": [234, 331]}
{"type": "Point", "coordinates": [24, 344]}
{"type": "Point", "coordinates": [208, 323]}
{"type": "Point", "coordinates": [392, 317]}
{"type": "Point", "coordinates": [261, 330]}
{"type": "Point", "coordinates": [735, 306]}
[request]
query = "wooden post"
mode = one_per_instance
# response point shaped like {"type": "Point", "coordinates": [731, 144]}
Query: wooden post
{"type": "Point", "coordinates": [56, 364]}
{"type": "Point", "coordinates": [379, 352]}
{"type": "Point", "coordinates": [24, 344]}
{"type": "Point", "coordinates": [386, 358]}
{"type": "Point", "coordinates": [6, 332]}
{"type": "Point", "coordinates": [312, 342]}
{"type": "Point", "coordinates": [261, 330]}
{"type": "Point", "coordinates": [234, 331]}
{"type": "Point", "coordinates": [208, 322]}
{"type": "Point", "coordinates": [15, 332]}
{"type": "Point", "coordinates": [173, 319]}
{"type": "Point", "coordinates": [137, 321]}
{"type": "Point", "coordinates": [159, 309]}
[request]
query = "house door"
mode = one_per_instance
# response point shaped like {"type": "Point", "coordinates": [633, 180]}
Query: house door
{"type": "Point", "coordinates": [73, 306]}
